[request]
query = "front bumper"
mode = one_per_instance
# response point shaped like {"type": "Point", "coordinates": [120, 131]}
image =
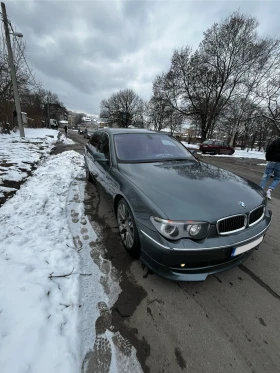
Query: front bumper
{"type": "Point", "coordinates": [201, 259]}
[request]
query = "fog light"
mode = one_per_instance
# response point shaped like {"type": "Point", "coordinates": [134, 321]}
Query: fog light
{"type": "Point", "coordinates": [182, 265]}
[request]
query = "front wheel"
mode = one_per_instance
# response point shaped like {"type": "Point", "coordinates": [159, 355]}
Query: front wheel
{"type": "Point", "coordinates": [127, 228]}
{"type": "Point", "coordinates": [231, 152]}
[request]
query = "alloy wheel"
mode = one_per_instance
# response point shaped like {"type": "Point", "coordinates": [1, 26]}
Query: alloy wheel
{"type": "Point", "coordinates": [126, 226]}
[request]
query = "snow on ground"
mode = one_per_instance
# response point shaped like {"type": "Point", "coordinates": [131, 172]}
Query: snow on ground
{"type": "Point", "coordinates": [39, 314]}
{"type": "Point", "coordinates": [66, 140]}
{"type": "Point", "coordinates": [190, 146]}
{"type": "Point", "coordinates": [237, 154]}
{"type": "Point", "coordinates": [56, 286]}
{"type": "Point", "coordinates": [18, 155]}
{"type": "Point", "coordinates": [245, 154]}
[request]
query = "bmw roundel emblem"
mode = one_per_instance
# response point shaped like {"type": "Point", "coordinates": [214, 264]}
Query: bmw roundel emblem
{"type": "Point", "coordinates": [242, 204]}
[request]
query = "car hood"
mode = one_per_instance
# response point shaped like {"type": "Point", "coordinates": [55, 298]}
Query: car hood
{"type": "Point", "coordinates": [193, 190]}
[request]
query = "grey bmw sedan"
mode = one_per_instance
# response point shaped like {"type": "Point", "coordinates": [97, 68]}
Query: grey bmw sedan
{"type": "Point", "coordinates": [184, 218]}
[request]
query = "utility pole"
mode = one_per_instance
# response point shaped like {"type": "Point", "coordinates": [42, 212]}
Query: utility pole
{"type": "Point", "coordinates": [13, 71]}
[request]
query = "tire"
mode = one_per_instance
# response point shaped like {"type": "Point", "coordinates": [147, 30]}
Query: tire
{"type": "Point", "coordinates": [127, 228]}
{"type": "Point", "coordinates": [203, 152]}
{"type": "Point", "coordinates": [231, 152]}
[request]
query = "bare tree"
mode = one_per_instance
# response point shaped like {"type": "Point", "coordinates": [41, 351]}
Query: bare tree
{"type": "Point", "coordinates": [231, 61]}
{"type": "Point", "coordinates": [157, 113]}
{"type": "Point", "coordinates": [23, 74]}
{"type": "Point", "coordinates": [271, 100]}
{"type": "Point", "coordinates": [122, 109]}
{"type": "Point", "coordinates": [78, 118]}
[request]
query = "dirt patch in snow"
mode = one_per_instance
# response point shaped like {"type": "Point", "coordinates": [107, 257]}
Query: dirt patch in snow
{"type": "Point", "coordinates": [11, 183]}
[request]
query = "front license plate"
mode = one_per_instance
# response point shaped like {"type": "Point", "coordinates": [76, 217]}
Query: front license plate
{"type": "Point", "coordinates": [241, 249]}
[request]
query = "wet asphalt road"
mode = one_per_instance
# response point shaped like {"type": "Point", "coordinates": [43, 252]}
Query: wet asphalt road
{"type": "Point", "coordinates": [229, 323]}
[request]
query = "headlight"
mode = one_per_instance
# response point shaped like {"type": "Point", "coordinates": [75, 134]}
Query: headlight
{"type": "Point", "coordinates": [175, 230]}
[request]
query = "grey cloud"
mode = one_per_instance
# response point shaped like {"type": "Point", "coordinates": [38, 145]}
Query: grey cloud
{"type": "Point", "coordinates": [103, 46]}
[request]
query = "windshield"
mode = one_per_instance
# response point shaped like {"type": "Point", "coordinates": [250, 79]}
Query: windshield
{"type": "Point", "coordinates": [146, 147]}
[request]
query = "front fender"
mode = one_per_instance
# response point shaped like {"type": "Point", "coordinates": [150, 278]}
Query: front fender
{"type": "Point", "coordinates": [143, 208]}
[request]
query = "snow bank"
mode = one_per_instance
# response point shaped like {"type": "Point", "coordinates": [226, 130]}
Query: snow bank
{"type": "Point", "coordinates": [190, 146]}
{"type": "Point", "coordinates": [66, 140]}
{"type": "Point", "coordinates": [245, 154]}
{"type": "Point", "coordinates": [17, 155]}
{"type": "Point", "coordinates": [39, 314]}
{"type": "Point", "coordinates": [237, 154]}
{"type": "Point", "coordinates": [35, 133]}
{"type": "Point", "coordinates": [56, 285]}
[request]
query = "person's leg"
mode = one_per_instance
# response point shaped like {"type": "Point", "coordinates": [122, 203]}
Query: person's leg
{"type": "Point", "coordinates": [268, 170]}
{"type": "Point", "coordinates": [276, 178]}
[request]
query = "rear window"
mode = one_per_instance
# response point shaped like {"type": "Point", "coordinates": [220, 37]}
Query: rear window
{"type": "Point", "coordinates": [208, 142]}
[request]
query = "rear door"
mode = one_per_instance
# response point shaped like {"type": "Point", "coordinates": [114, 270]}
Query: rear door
{"type": "Point", "coordinates": [225, 148]}
{"type": "Point", "coordinates": [221, 147]}
{"type": "Point", "coordinates": [102, 170]}
{"type": "Point", "coordinates": [92, 148]}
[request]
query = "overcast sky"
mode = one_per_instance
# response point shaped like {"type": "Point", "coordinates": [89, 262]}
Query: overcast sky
{"type": "Point", "coordinates": [86, 50]}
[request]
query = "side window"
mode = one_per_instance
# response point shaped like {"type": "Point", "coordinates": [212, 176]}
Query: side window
{"type": "Point", "coordinates": [104, 146]}
{"type": "Point", "coordinates": [95, 141]}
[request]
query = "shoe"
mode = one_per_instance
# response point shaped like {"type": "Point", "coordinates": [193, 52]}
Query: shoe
{"type": "Point", "coordinates": [268, 194]}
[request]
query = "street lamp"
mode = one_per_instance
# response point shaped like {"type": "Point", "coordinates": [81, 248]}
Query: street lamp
{"type": "Point", "coordinates": [18, 34]}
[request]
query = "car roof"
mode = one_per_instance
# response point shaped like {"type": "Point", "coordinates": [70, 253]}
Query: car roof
{"type": "Point", "coordinates": [115, 131]}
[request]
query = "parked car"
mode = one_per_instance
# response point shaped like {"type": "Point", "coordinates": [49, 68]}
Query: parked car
{"type": "Point", "coordinates": [216, 147]}
{"type": "Point", "coordinates": [184, 218]}
{"type": "Point", "coordinates": [88, 132]}
{"type": "Point", "coordinates": [53, 124]}
{"type": "Point", "coordinates": [81, 128]}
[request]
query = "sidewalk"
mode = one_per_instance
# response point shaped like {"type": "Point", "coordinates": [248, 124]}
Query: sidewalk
{"type": "Point", "coordinates": [54, 313]}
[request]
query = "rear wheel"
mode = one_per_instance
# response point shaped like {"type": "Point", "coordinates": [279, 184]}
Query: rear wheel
{"type": "Point", "coordinates": [231, 152]}
{"type": "Point", "coordinates": [127, 228]}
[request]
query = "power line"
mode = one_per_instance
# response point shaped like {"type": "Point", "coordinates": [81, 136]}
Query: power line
{"type": "Point", "coordinates": [29, 69]}
{"type": "Point", "coordinates": [19, 47]}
